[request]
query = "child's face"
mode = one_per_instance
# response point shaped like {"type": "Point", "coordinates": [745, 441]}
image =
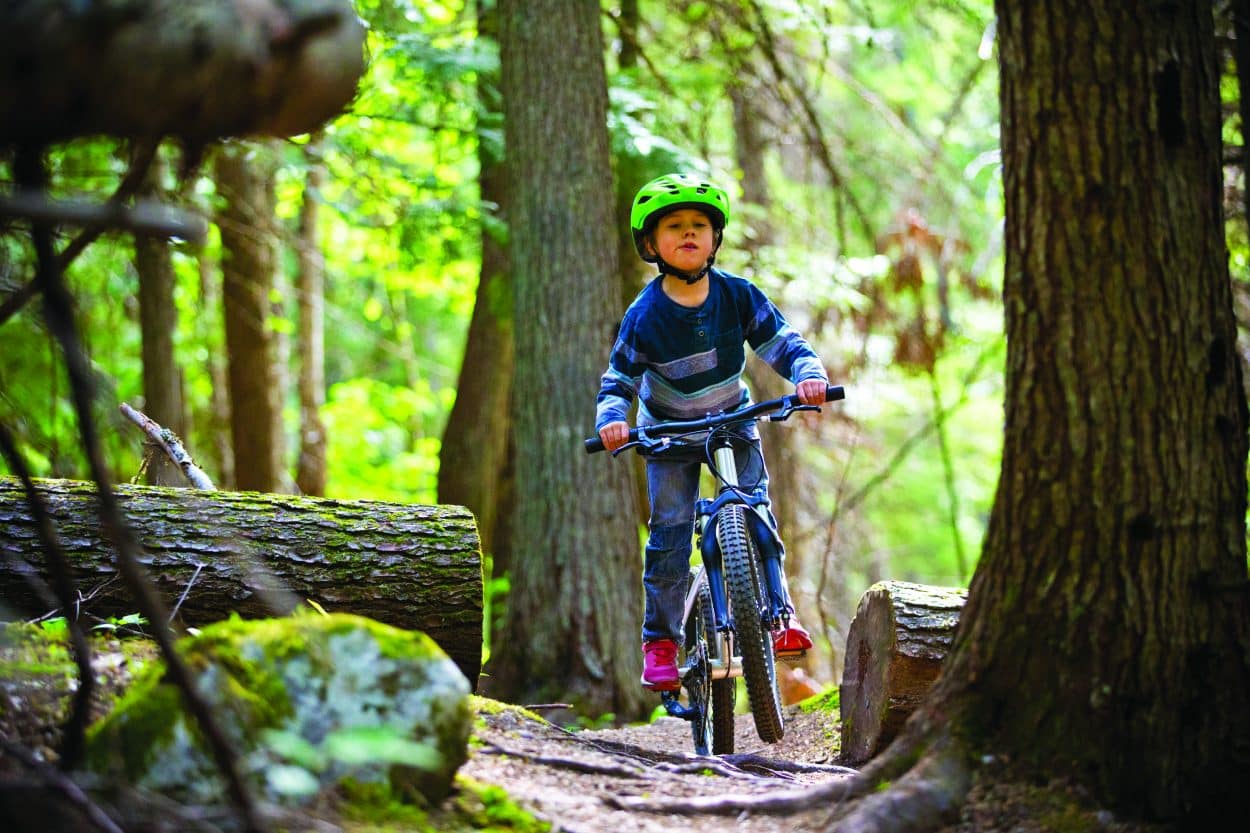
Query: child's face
{"type": "Point", "coordinates": [684, 239]}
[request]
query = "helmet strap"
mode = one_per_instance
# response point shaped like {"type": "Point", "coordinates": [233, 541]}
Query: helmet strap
{"type": "Point", "coordinates": [691, 279]}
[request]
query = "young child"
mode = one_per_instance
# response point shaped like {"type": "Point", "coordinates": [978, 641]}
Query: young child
{"type": "Point", "coordinates": [680, 352]}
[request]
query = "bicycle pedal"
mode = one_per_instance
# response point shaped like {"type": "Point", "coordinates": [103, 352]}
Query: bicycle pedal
{"type": "Point", "coordinates": [790, 657]}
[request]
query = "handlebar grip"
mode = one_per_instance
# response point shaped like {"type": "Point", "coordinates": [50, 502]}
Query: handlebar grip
{"type": "Point", "coordinates": [834, 392]}
{"type": "Point", "coordinates": [593, 445]}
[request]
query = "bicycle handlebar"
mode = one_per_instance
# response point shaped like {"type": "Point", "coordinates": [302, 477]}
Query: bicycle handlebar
{"type": "Point", "coordinates": [832, 394]}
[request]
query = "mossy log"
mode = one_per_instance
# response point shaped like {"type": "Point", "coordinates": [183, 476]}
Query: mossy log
{"type": "Point", "coordinates": [410, 566]}
{"type": "Point", "coordinates": [897, 641]}
{"type": "Point", "coordinates": [200, 70]}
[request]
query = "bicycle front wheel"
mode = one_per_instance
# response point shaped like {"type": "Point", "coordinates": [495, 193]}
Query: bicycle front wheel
{"type": "Point", "coordinates": [754, 641]}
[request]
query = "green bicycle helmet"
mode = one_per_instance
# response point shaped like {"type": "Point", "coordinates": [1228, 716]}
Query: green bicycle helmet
{"type": "Point", "coordinates": [668, 193]}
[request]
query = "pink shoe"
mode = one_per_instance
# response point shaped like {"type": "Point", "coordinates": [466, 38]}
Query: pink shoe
{"type": "Point", "coordinates": [792, 640]}
{"type": "Point", "coordinates": [659, 665]}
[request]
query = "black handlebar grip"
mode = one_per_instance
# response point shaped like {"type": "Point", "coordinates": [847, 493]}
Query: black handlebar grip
{"type": "Point", "coordinates": [593, 444]}
{"type": "Point", "coordinates": [834, 392]}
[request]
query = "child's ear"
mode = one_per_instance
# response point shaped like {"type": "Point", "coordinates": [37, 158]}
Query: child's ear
{"type": "Point", "coordinates": [649, 244]}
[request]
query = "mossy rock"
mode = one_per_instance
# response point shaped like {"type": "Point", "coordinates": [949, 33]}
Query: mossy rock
{"type": "Point", "coordinates": [307, 703]}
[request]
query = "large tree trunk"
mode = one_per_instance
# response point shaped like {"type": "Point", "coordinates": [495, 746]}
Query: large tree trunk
{"type": "Point", "coordinates": [574, 608]}
{"type": "Point", "coordinates": [474, 456]}
{"type": "Point", "coordinates": [416, 567]}
{"type": "Point", "coordinates": [245, 177]}
{"type": "Point", "coordinates": [1113, 584]}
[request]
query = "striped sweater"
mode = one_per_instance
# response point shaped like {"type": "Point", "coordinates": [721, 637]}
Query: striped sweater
{"type": "Point", "coordinates": [687, 362]}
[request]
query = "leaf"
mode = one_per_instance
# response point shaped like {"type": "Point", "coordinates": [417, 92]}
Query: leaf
{"type": "Point", "coordinates": [286, 779]}
{"type": "Point", "coordinates": [380, 745]}
{"type": "Point", "coordinates": [313, 604]}
{"type": "Point", "coordinates": [294, 748]}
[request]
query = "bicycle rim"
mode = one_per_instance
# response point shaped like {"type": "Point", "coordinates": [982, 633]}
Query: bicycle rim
{"type": "Point", "coordinates": [754, 641]}
{"type": "Point", "coordinates": [724, 690]}
{"type": "Point", "coordinates": [696, 678]}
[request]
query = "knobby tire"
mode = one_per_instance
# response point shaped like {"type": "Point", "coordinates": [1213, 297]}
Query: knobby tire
{"type": "Point", "coordinates": [714, 732]}
{"type": "Point", "coordinates": [754, 641]}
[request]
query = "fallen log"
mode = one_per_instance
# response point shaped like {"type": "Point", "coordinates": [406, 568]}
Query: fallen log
{"type": "Point", "coordinates": [213, 553]}
{"type": "Point", "coordinates": [200, 70]}
{"type": "Point", "coordinates": [894, 649]}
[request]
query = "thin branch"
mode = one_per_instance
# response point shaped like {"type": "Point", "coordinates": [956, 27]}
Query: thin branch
{"type": "Point", "coordinates": [140, 162]}
{"type": "Point", "coordinates": [58, 312]}
{"type": "Point", "coordinates": [63, 581]}
{"type": "Point", "coordinates": [168, 442]}
{"type": "Point", "coordinates": [150, 218]}
{"type": "Point", "coordinates": [62, 782]}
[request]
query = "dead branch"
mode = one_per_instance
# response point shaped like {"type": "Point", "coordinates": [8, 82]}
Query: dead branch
{"type": "Point", "coordinates": [169, 443]}
{"type": "Point", "coordinates": [146, 217]}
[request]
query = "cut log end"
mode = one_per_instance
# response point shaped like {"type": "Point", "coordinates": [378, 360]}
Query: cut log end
{"type": "Point", "coordinates": [897, 641]}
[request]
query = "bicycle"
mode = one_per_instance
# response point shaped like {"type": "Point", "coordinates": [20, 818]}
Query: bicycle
{"type": "Point", "coordinates": [737, 597]}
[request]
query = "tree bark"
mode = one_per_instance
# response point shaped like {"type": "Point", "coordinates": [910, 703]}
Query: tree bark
{"type": "Point", "coordinates": [894, 649]}
{"type": "Point", "coordinates": [162, 400]}
{"type": "Point", "coordinates": [574, 608]}
{"type": "Point", "coordinates": [1113, 584]}
{"type": "Point", "coordinates": [415, 567]}
{"type": "Point", "coordinates": [194, 69]}
{"type": "Point", "coordinates": [311, 470]}
{"type": "Point", "coordinates": [248, 273]}
{"type": "Point", "coordinates": [474, 456]}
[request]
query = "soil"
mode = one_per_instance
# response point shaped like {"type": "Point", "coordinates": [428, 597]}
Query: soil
{"type": "Point", "coordinates": [590, 780]}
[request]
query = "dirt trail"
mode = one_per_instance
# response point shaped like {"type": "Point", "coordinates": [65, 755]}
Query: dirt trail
{"type": "Point", "coordinates": [574, 780]}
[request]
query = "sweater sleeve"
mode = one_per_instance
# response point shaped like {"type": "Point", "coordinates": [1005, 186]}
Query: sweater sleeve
{"type": "Point", "coordinates": [780, 345]}
{"type": "Point", "coordinates": [618, 387]}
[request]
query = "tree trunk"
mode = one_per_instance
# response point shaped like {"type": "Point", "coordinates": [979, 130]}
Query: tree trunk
{"type": "Point", "coordinates": [162, 400]}
{"type": "Point", "coordinates": [899, 636]}
{"type": "Point", "coordinates": [311, 471]}
{"type": "Point", "coordinates": [248, 271]}
{"type": "Point", "coordinates": [209, 327]}
{"type": "Point", "coordinates": [195, 69]}
{"type": "Point", "coordinates": [1113, 584]}
{"type": "Point", "coordinates": [415, 567]}
{"type": "Point", "coordinates": [574, 609]}
{"type": "Point", "coordinates": [474, 455]}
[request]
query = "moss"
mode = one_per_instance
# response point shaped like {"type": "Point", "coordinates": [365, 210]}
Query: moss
{"type": "Point", "coordinates": [307, 677]}
{"type": "Point", "coordinates": [827, 701]}
{"type": "Point", "coordinates": [374, 808]}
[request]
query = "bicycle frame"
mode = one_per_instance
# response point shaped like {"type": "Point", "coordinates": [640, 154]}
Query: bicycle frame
{"type": "Point", "coordinates": [768, 549]}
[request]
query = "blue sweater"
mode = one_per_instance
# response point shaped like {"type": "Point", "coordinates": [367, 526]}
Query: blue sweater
{"type": "Point", "coordinates": [687, 362]}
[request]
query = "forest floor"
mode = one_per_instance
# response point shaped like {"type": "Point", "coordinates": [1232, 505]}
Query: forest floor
{"type": "Point", "coordinates": [588, 780]}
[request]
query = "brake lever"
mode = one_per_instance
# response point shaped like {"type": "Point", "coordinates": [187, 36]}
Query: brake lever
{"type": "Point", "coordinates": [785, 412]}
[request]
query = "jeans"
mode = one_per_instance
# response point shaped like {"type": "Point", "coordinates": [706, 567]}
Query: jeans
{"type": "Point", "coordinates": [673, 487]}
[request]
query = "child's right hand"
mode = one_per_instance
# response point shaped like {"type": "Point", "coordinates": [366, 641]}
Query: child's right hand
{"type": "Point", "coordinates": [614, 435]}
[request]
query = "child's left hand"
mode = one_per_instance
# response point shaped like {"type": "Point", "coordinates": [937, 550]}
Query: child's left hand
{"type": "Point", "coordinates": [811, 391]}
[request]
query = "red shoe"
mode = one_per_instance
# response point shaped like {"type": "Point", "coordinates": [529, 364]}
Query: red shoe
{"type": "Point", "coordinates": [793, 640]}
{"type": "Point", "coordinates": [659, 665]}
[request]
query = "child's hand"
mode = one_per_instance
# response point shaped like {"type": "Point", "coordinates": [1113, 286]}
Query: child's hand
{"type": "Point", "coordinates": [810, 391]}
{"type": "Point", "coordinates": [616, 434]}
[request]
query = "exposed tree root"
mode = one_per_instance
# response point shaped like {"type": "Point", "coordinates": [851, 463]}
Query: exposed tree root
{"type": "Point", "coordinates": [929, 796]}
{"type": "Point", "coordinates": [933, 782]}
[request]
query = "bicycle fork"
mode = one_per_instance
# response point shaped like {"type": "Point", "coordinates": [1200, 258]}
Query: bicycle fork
{"type": "Point", "coordinates": [763, 534]}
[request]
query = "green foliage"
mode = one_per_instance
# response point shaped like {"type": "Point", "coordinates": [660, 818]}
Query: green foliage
{"type": "Point", "coordinates": [873, 120]}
